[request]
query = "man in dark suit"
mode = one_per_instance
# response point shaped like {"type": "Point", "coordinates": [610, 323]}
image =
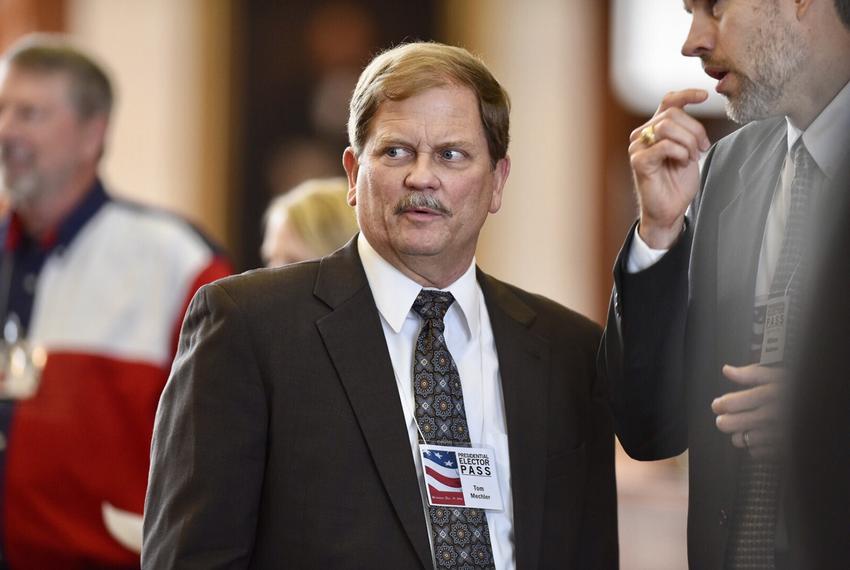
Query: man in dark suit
{"type": "Point", "coordinates": [692, 361]}
{"type": "Point", "coordinates": [291, 431]}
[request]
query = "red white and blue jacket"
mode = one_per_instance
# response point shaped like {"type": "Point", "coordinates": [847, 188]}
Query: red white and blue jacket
{"type": "Point", "coordinates": [105, 295]}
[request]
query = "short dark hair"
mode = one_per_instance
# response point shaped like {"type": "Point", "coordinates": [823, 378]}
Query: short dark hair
{"type": "Point", "coordinates": [409, 69]}
{"type": "Point", "coordinates": [843, 9]}
{"type": "Point", "coordinates": [91, 90]}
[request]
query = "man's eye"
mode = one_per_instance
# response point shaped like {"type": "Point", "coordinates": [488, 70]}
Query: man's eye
{"type": "Point", "coordinates": [396, 152]}
{"type": "Point", "coordinates": [30, 113]}
{"type": "Point", "coordinates": [715, 6]}
{"type": "Point", "coordinates": [450, 154]}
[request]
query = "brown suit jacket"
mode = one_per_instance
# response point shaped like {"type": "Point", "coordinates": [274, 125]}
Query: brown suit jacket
{"type": "Point", "coordinates": [280, 441]}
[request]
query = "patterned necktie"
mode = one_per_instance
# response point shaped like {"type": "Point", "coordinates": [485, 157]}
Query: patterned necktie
{"type": "Point", "coordinates": [753, 533]}
{"type": "Point", "coordinates": [792, 267]}
{"type": "Point", "coordinates": [461, 536]}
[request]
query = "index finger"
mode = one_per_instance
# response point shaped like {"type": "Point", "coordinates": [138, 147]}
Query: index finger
{"type": "Point", "coordinates": [743, 400]}
{"type": "Point", "coordinates": [752, 374]}
{"type": "Point", "coordinates": [681, 98]}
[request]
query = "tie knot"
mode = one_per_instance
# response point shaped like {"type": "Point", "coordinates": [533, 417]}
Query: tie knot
{"type": "Point", "coordinates": [430, 304]}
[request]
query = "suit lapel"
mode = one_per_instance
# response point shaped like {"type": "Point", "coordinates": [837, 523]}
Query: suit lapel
{"type": "Point", "coordinates": [523, 368]}
{"type": "Point", "coordinates": [354, 339]}
{"type": "Point", "coordinates": [740, 235]}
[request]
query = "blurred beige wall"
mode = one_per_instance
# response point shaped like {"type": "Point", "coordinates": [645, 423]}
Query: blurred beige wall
{"type": "Point", "coordinates": [546, 237]}
{"type": "Point", "coordinates": [169, 143]}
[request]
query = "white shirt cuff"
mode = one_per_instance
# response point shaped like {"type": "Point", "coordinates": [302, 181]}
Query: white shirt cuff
{"type": "Point", "coordinates": [641, 256]}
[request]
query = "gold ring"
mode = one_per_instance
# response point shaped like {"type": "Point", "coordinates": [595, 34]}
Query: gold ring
{"type": "Point", "coordinates": [747, 439]}
{"type": "Point", "coordinates": [647, 136]}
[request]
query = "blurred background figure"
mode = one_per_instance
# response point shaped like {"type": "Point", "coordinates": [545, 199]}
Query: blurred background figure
{"type": "Point", "coordinates": [92, 295]}
{"type": "Point", "coordinates": [311, 220]}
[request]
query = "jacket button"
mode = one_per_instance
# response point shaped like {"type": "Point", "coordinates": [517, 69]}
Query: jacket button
{"type": "Point", "coordinates": [723, 517]}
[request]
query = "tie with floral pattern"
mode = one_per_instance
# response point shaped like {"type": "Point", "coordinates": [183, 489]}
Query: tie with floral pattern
{"type": "Point", "coordinates": [461, 536]}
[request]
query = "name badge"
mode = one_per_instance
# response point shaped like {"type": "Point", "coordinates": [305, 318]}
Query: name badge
{"type": "Point", "coordinates": [775, 327]}
{"type": "Point", "coordinates": [461, 477]}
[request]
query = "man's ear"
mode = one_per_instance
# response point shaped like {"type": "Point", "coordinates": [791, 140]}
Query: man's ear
{"type": "Point", "coordinates": [352, 166]}
{"type": "Point", "coordinates": [500, 176]}
{"type": "Point", "coordinates": [801, 7]}
{"type": "Point", "coordinates": [93, 139]}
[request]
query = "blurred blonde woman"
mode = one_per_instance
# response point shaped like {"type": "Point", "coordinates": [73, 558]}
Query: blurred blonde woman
{"type": "Point", "coordinates": [311, 220]}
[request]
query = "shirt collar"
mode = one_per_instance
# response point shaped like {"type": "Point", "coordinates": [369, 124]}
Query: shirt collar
{"type": "Point", "coordinates": [394, 292]}
{"type": "Point", "coordinates": [826, 137]}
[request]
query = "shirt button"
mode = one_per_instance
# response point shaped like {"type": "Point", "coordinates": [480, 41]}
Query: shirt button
{"type": "Point", "coordinates": [724, 518]}
{"type": "Point", "coordinates": [29, 283]}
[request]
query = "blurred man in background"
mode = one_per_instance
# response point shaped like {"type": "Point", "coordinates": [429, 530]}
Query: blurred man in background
{"type": "Point", "coordinates": [705, 317]}
{"type": "Point", "coordinates": [92, 293]}
{"type": "Point", "coordinates": [310, 221]}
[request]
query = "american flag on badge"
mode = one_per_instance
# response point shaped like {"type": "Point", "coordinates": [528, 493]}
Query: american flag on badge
{"type": "Point", "coordinates": [442, 478]}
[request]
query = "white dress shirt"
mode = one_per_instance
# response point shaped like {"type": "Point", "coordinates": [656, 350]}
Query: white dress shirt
{"type": "Point", "coordinates": [469, 337]}
{"type": "Point", "coordinates": [826, 140]}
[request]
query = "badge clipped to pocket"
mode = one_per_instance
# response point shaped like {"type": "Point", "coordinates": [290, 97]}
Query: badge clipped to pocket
{"type": "Point", "coordinates": [775, 328]}
{"type": "Point", "coordinates": [461, 477]}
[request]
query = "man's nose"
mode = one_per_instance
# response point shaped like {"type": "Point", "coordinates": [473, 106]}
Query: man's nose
{"type": "Point", "coordinates": [701, 37]}
{"type": "Point", "coordinates": [422, 175]}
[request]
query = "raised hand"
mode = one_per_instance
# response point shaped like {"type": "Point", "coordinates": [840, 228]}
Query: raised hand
{"type": "Point", "coordinates": [664, 154]}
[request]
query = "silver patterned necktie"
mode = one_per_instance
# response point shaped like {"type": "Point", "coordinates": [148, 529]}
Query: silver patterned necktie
{"type": "Point", "coordinates": [753, 534]}
{"type": "Point", "coordinates": [461, 536]}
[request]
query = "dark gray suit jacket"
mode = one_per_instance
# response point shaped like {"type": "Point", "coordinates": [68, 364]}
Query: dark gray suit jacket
{"type": "Point", "coordinates": [672, 327]}
{"type": "Point", "coordinates": [280, 441]}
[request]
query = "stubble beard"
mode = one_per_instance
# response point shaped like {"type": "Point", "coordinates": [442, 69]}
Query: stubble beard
{"type": "Point", "coordinates": [22, 189]}
{"type": "Point", "coordinates": [778, 55]}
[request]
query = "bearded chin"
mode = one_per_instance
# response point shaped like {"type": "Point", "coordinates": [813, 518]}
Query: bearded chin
{"type": "Point", "coordinates": [22, 189]}
{"type": "Point", "coordinates": [779, 54]}
{"type": "Point", "coordinates": [753, 103]}
{"type": "Point", "coordinates": [742, 110]}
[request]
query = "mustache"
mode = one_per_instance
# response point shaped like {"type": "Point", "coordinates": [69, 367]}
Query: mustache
{"type": "Point", "coordinates": [419, 200]}
{"type": "Point", "coordinates": [707, 61]}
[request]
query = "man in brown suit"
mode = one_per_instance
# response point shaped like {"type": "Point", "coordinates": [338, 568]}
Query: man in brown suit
{"type": "Point", "coordinates": [289, 433]}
